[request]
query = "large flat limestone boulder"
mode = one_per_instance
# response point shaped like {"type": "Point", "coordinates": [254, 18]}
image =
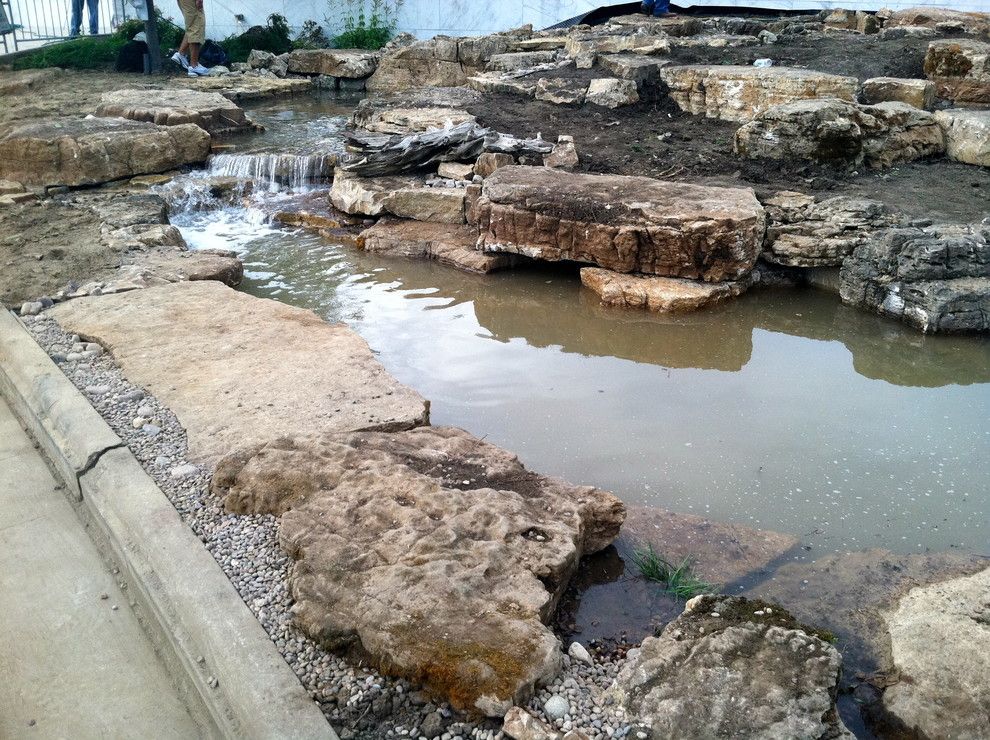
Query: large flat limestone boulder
{"type": "Point", "coordinates": [960, 69]}
{"type": "Point", "coordinates": [211, 111]}
{"type": "Point", "coordinates": [238, 370]}
{"type": "Point", "coordinates": [740, 93]}
{"type": "Point", "coordinates": [433, 553]}
{"type": "Point", "coordinates": [347, 63]}
{"type": "Point", "coordinates": [967, 135]}
{"type": "Point", "coordinates": [841, 133]}
{"type": "Point", "coordinates": [90, 151]}
{"type": "Point", "coordinates": [448, 244]}
{"type": "Point", "coordinates": [940, 642]}
{"type": "Point", "coordinates": [659, 294]}
{"type": "Point", "coordinates": [733, 668]}
{"type": "Point", "coordinates": [626, 224]}
{"type": "Point", "coordinates": [248, 87]}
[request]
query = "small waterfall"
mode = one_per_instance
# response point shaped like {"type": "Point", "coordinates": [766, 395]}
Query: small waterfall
{"type": "Point", "coordinates": [274, 171]}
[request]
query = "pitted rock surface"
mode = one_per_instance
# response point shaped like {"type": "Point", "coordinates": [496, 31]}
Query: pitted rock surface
{"type": "Point", "coordinates": [437, 555]}
{"type": "Point", "coordinates": [940, 642]}
{"type": "Point", "coordinates": [211, 111]}
{"type": "Point", "coordinates": [237, 370]}
{"type": "Point", "coordinates": [740, 93]}
{"type": "Point", "coordinates": [626, 224]}
{"type": "Point", "coordinates": [960, 69]}
{"type": "Point", "coordinates": [729, 668]}
{"type": "Point", "coordinates": [90, 151]}
{"type": "Point", "coordinates": [936, 279]}
{"type": "Point", "coordinates": [347, 63]}
{"type": "Point", "coordinates": [841, 133]}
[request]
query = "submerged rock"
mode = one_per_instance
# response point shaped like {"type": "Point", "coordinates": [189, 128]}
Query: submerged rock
{"type": "Point", "coordinates": [740, 93]}
{"type": "Point", "coordinates": [733, 668]}
{"type": "Point", "coordinates": [842, 133]}
{"type": "Point", "coordinates": [432, 552]}
{"type": "Point", "coordinates": [935, 279]}
{"type": "Point", "coordinates": [237, 370]}
{"type": "Point", "coordinates": [660, 294]}
{"type": "Point", "coordinates": [91, 151]}
{"type": "Point", "coordinates": [626, 224]}
{"type": "Point", "coordinates": [212, 112]}
{"type": "Point", "coordinates": [940, 642]}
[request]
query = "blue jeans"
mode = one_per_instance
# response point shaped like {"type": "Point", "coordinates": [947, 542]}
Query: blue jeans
{"type": "Point", "coordinates": [656, 7]}
{"type": "Point", "coordinates": [94, 17]}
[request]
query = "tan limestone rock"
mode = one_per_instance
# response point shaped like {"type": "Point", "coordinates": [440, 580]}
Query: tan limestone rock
{"type": "Point", "coordinates": [564, 155]}
{"type": "Point", "coordinates": [611, 92]}
{"type": "Point", "coordinates": [90, 151]}
{"type": "Point", "coordinates": [455, 170]}
{"type": "Point", "coordinates": [739, 93]}
{"type": "Point", "coordinates": [967, 135]}
{"type": "Point", "coordinates": [561, 91]}
{"type": "Point", "coordinates": [211, 111]}
{"type": "Point", "coordinates": [455, 246]}
{"type": "Point", "coordinates": [626, 224]}
{"type": "Point", "coordinates": [365, 196]}
{"type": "Point", "coordinates": [639, 68]}
{"type": "Point", "coordinates": [520, 60]}
{"type": "Point", "coordinates": [935, 18]}
{"type": "Point", "coordinates": [919, 93]}
{"type": "Point", "coordinates": [495, 82]}
{"type": "Point", "coordinates": [432, 553]}
{"type": "Point", "coordinates": [960, 69]}
{"type": "Point", "coordinates": [239, 370]}
{"type": "Point", "coordinates": [489, 162]}
{"type": "Point", "coordinates": [658, 294]}
{"type": "Point", "coordinates": [245, 87]}
{"type": "Point", "coordinates": [414, 120]}
{"type": "Point", "coordinates": [348, 63]}
{"type": "Point", "coordinates": [440, 205]}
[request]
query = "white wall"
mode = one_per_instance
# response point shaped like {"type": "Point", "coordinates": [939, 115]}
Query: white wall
{"type": "Point", "coordinates": [426, 18]}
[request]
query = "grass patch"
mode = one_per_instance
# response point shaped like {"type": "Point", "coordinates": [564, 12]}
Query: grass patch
{"type": "Point", "coordinates": [362, 29]}
{"type": "Point", "coordinates": [274, 36]}
{"type": "Point", "coordinates": [677, 579]}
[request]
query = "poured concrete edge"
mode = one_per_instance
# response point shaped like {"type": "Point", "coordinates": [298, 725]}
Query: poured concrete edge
{"type": "Point", "coordinates": [245, 684]}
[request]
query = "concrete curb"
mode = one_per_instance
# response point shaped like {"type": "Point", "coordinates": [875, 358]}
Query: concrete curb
{"type": "Point", "coordinates": [200, 620]}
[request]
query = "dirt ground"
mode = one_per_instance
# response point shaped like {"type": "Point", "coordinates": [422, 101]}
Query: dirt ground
{"type": "Point", "coordinates": [657, 139]}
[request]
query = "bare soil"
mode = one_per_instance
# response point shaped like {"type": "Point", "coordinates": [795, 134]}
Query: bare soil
{"type": "Point", "coordinates": [657, 139]}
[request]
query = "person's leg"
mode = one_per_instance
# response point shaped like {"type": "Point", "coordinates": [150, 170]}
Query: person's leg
{"type": "Point", "coordinates": [661, 7]}
{"type": "Point", "coordinates": [75, 25]}
{"type": "Point", "coordinates": [647, 6]}
{"type": "Point", "coordinates": [194, 55]}
{"type": "Point", "coordinates": [94, 16]}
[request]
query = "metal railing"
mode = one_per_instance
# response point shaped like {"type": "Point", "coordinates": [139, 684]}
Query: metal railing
{"type": "Point", "coordinates": [36, 22]}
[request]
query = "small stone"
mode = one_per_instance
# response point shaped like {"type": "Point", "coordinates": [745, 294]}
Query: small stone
{"type": "Point", "coordinates": [580, 653]}
{"type": "Point", "coordinates": [184, 471]}
{"type": "Point", "coordinates": [145, 411]}
{"type": "Point", "coordinates": [556, 707]}
{"type": "Point", "coordinates": [31, 308]}
{"type": "Point", "coordinates": [151, 430]}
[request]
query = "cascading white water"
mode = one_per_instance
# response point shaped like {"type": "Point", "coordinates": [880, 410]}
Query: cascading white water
{"type": "Point", "coordinates": [273, 171]}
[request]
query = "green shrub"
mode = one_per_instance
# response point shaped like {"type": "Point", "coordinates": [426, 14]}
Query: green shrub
{"type": "Point", "coordinates": [311, 36]}
{"type": "Point", "coordinates": [97, 52]}
{"type": "Point", "coordinates": [677, 579]}
{"type": "Point", "coordinates": [273, 36]}
{"type": "Point", "coordinates": [363, 30]}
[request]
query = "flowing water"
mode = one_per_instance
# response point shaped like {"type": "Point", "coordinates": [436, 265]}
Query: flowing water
{"type": "Point", "coordinates": [782, 410]}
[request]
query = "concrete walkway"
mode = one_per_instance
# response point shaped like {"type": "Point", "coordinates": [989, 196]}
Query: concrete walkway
{"type": "Point", "coordinates": [71, 664]}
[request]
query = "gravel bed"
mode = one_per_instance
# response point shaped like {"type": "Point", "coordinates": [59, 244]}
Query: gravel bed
{"type": "Point", "coordinates": [359, 702]}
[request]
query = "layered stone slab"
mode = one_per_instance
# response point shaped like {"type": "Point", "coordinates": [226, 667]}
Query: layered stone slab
{"type": "Point", "coordinates": [246, 87]}
{"type": "Point", "coordinates": [432, 553]}
{"type": "Point", "coordinates": [211, 111]}
{"type": "Point", "coordinates": [451, 245]}
{"type": "Point", "coordinates": [239, 370]}
{"type": "Point", "coordinates": [967, 135]}
{"type": "Point", "coordinates": [739, 93]}
{"type": "Point", "coordinates": [347, 63]}
{"type": "Point", "coordinates": [919, 93]}
{"type": "Point", "coordinates": [90, 151]}
{"type": "Point", "coordinates": [960, 69]}
{"type": "Point", "coordinates": [626, 224]}
{"type": "Point", "coordinates": [658, 294]}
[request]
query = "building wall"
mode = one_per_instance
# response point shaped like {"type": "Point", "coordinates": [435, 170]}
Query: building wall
{"type": "Point", "coordinates": [426, 18]}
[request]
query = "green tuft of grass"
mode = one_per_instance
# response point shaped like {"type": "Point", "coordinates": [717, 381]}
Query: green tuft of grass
{"type": "Point", "coordinates": [274, 36]}
{"type": "Point", "coordinates": [677, 579]}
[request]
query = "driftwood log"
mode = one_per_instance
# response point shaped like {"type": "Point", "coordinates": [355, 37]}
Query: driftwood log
{"type": "Point", "coordinates": [374, 155]}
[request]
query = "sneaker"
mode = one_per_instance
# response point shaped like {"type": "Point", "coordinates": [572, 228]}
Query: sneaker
{"type": "Point", "coordinates": [199, 70]}
{"type": "Point", "coordinates": [180, 60]}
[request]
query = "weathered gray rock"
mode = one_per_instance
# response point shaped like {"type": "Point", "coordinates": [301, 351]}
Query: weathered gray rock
{"type": "Point", "coordinates": [210, 111]}
{"type": "Point", "coordinates": [430, 551]}
{"type": "Point", "coordinates": [841, 133]}
{"type": "Point", "coordinates": [239, 370]}
{"type": "Point", "coordinates": [639, 68]}
{"type": "Point", "coordinates": [627, 224]}
{"type": "Point", "coordinates": [967, 135]}
{"type": "Point", "coordinates": [729, 668]}
{"type": "Point", "coordinates": [489, 162]}
{"type": "Point", "coordinates": [560, 91]}
{"type": "Point", "coordinates": [739, 93]}
{"type": "Point", "coordinates": [658, 294]}
{"type": "Point", "coordinates": [935, 18]}
{"type": "Point", "coordinates": [520, 60]}
{"type": "Point", "coordinates": [414, 120]}
{"type": "Point", "coordinates": [935, 279]}
{"type": "Point", "coordinates": [960, 70]}
{"type": "Point", "coordinates": [455, 246]}
{"type": "Point", "coordinates": [803, 232]}
{"type": "Point", "coordinates": [438, 62]}
{"type": "Point", "coordinates": [90, 151]}
{"type": "Point", "coordinates": [259, 59]}
{"type": "Point", "coordinates": [940, 643]}
{"type": "Point", "coordinates": [611, 92]}
{"type": "Point", "coordinates": [258, 86]}
{"type": "Point", "coordinates": [346, 63]}
{"type": "Point", "coordinates": [496, 82]}
{"type": "Point", "coordinates": [919, 93]}
{"type": "Point", "coordinates": [564, 154]}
